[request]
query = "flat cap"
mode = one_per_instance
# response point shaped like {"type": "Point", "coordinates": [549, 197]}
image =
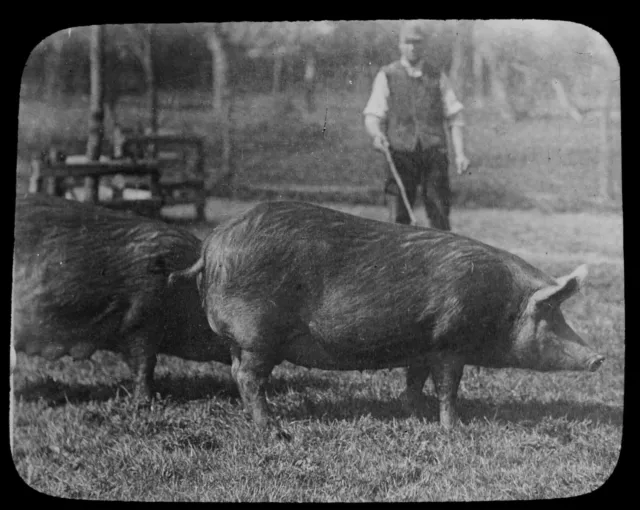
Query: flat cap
{"type": "Point", "coordinates": [411, 31]}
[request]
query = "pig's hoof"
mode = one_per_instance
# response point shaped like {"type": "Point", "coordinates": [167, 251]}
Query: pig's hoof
{"type": "Point", "coordinates": [415, 404]}
{"type": "Point", "coordinates": [281, 435]}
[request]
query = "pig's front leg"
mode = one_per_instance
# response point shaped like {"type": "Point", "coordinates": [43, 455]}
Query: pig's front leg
{"type": "Point", "coordinates": [446, 372]}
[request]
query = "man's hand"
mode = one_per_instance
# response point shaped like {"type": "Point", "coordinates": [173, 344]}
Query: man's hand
{"type": "Point", "coordinates": [380, 142]}
{"type": "Point", "coordinates": [462, 163]}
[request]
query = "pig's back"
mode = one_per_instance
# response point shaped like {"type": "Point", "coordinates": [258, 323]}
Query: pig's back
{"type": "Point", "coordinates": [85, 275]}
{"type": "Point", "coordinates": [352, 278]}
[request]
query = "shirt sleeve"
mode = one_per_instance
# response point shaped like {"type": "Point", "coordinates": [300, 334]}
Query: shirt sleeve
{"type": "Point", "coordinates": [378, 104]}
{"type": "Point", "coordinates": [452, 107]}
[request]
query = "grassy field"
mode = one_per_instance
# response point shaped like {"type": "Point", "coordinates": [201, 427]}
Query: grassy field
{"type": "Point", "coordinates": [524, 435]}
{"type": "Point", "coordinates": [547, 162]}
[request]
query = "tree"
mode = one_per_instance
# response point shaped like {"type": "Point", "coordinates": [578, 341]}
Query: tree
{"type": "Point", "coordinates": [216, 37]}
{"type": "Point", "coordinates": [488, 69]}
{"type": "Point", "coordinates": [283, 41]}
{"type": "Point", "coordinates": [310, 79]}
{"type": "Point", "coordinates": [146, 41]}
{"type": "Point", "coordinates": [523, 60]}
{"type": "Point", "coordinates": [128, 43]}
{"type": "Point", "coordinates": [607, 62]}
{"type": "Point", "coordinates": [223, 98]}
{"type": "Point", "coordinates": [51, 48]}
{"type": "Point", "coordinates": [461, 41]}
{"type": "Point", "coordinates": [96, 113]}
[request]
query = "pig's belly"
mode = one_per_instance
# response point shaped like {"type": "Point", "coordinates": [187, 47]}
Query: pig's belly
{"type": "Point", "coordinates": [52, 349]}
{"type": "Point", "coordinates": [312, 352]}
{"type": "Point", "coordinates": [54, 339]}
{"type": "Point", "coordinates": [208, 347]}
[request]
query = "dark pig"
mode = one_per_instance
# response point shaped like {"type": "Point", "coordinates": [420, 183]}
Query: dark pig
{"type": "Point", "coordinates": [88, 278]}
{"type": "Point", "coordinates": [323, 289]}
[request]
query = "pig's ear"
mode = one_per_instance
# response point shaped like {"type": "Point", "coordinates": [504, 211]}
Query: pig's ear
{"type": "Point", "coordinates": [578, 276]}
{"type": "Point", "coordinates": [566, 287]}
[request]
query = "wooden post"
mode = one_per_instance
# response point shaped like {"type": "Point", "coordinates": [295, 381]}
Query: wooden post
{"type": "Point", "coordinates": [35, 181]}
{"type": "Point", "coordinates": [155, 183]}
{"type": "Point", "coordinates": [96, 116]}
{"type": "Point", "coordinates": [202, 196]}
{"type": "Point", "coordinates": [51, 186]}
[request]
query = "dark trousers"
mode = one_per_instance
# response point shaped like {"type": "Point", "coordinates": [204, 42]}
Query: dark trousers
{"type": "Point", "coordinates": [426, 168]}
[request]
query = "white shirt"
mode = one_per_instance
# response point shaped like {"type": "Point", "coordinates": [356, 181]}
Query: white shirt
{"type": "Point", "coordinates": [378, 104]}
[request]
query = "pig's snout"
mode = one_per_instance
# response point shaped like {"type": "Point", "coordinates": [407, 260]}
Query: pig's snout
{"type": "Point", "coordinates": [595, 362]}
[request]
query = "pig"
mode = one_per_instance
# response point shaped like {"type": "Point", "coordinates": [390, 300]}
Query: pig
{"type": "Point", "coordinates": [324, 289]}
{"type": "Point", "coordinates": [87, 278]}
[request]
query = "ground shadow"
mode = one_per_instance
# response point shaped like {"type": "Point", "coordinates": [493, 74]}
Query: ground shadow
{"type": "Point", "coordinates": [57, 393]}
{"type": "Point", "coordinates": [176, 388]}
{"type": "Point", "coordinates": [297, 382]}
{"type": "Point", "coordinates": [525, 413]}
{"type": "Point", "coordinates": [522, 413]}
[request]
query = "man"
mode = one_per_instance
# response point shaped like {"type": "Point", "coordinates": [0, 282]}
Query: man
{"type": "Point", "coordinates": [413, 102]}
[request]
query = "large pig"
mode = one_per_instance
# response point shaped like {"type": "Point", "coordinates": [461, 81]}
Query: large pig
{"type": "Point", "coordinates": [88, 278]}
{"type": "Point", "coordinates": [323, 289]}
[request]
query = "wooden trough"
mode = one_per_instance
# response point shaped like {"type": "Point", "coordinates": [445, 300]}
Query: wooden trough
{"type": "Point", "coordinates": [154, 172]}
{"type": "Point", "coordinates": [58, 178]}
{"type": "Point", "coordinates": [181, 182]}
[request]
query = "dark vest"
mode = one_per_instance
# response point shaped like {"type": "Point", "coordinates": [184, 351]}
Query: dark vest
{"type": "Point", "coordinates": [416, 111]}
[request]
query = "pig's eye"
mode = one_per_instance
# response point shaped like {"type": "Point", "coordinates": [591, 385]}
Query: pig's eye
{"type": "Point", "coordinates": [545, 308]}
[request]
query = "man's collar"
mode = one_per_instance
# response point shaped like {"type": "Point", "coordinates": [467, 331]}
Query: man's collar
{"type": "Point", "coordinates": [413, 71]}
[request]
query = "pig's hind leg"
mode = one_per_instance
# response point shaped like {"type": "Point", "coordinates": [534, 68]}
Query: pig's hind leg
{"type": "Point", "coordinates": [142, 332]}
{"type": "Point", "coordinates": [251, 371]}
{"type": "Point", "coordinates": [447, 372]}
{"type": "Point", "coordinates": [141, 358]}
{"type": "Point", "coordinates": [413, 398]}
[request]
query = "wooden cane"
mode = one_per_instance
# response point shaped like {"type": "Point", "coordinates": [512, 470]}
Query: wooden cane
{"type": "Point", "coordinates": [403, 193]}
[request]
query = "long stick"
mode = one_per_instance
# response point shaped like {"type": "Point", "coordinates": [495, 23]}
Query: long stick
{"type": "Point", "coordinates": [403, 193]}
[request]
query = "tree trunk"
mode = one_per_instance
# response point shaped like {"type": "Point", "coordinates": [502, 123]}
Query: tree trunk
{"type": "Point", "coordinates": [277, 72]}
{"type": "Point", "coordinates": [497, 76]}
{"type": "Point", "coordinates": [220, 67]}
{"type": "Point", "coordinates": [310, 80]}
{"type": "Point", "coordinates": [152, 91]}
{"type": "Point", "coordinates": [52, 81]}
{"type": "Point", "coordinates": [227, 138]}
{"type": "Point", "coordinates": [521, 88]}
{"type": "Point", "coordinates": [223, 109]}
{"type": "Point", "coordinates": [96, 115]}
{"type": "Point", "coordinates": [457, 60]}
{"type": "Point", "coordinates": [605, 164]}
{"type": "Point", "coordinates": [478, 77]}
{"type": "Point", "coordinates": [564, 101]}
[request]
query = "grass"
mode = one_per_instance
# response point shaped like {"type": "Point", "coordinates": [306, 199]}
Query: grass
{"type": "Point", "coordinates": [524, 435]}
{"type": "Point", "coordinates": [543, 162]}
